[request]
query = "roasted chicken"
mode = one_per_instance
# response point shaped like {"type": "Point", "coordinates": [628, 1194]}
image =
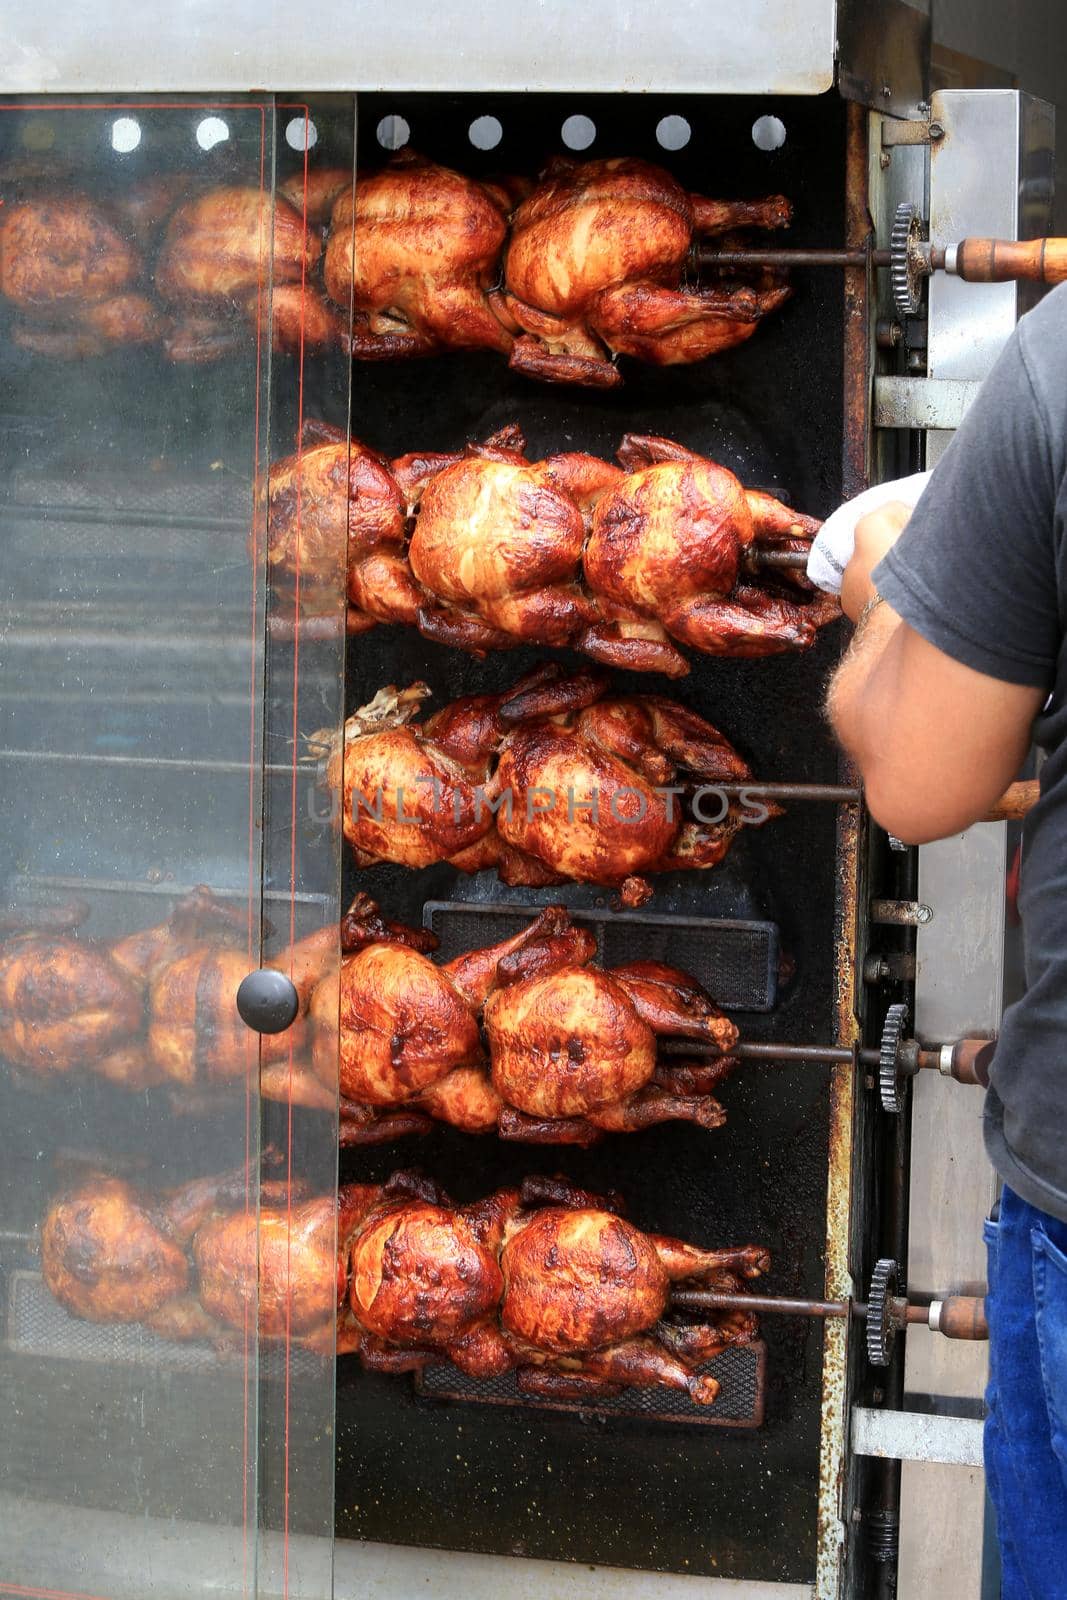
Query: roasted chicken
{"type": "Point", "coordinates": [112, 1253]}
{"type": "Point", "coordinates": [71, 270]}
{"type": "Point", "coordinates": [415, 251]}
{"type": "Point", "coordinates": [523, 1037]}
{"type": "Point", "coordinates": [488, 551]}
{"type": "Point", "coordinates": [223, 254]}
{"type": "Point", "coordinates": [419, 259]}
{"type": "Point", "coordinates": [546, 1281]}
{"type": "Point", "coordinates": [553, 780]}
{"type": "Point", "coordinates": [155, 1007]}
{"type": "Point", "coordinates": [594, 268]}
{"type": "Point", "coordinates": [669, 558]}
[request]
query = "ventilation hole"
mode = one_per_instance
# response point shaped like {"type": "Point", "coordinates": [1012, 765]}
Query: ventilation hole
{"type": "Point", "coordinates": [211, 131]}
{"type": "Point", "coordinates": [485, 133]}
{"type": "Point", "coordinates": [768, 133]}
{"type": "Point", "coordinates": [393, 133]}
{"type": "Point", "coordinates": [301, 134]}
{"type": "Point", "coordinates": [578, 132]}
{"type": "Point", "coordinates": [125, 134]}
{"type": "Point", "coordinates": [673, 133]}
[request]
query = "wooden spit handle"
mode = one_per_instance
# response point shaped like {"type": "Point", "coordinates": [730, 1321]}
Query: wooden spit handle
{"type": "Point", "coordinates": [960, 1316]}
{"type": "Point", "coordinates": [1015, 802]}
{"type": "Point", "coordinates": [1003, 260]}
{"type": "Point", "coordinates": [971, 1060]}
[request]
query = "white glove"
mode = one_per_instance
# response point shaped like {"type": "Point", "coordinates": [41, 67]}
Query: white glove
{"type": "Point", "coordinates": [836, 539]}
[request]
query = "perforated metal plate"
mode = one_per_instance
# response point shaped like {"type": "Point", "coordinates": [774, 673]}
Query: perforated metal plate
{"type": "Point", "coordinates": [737, 962]}
{"type": "Point", "coordinates": [741, 1371]}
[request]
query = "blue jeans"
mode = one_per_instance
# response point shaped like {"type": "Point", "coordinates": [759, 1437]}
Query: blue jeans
{"type": "Point", "coordinates": [1026, 1428]}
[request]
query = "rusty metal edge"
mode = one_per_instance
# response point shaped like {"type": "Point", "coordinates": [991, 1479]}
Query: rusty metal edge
{"type": "Point", "coordinates": [856, 457]}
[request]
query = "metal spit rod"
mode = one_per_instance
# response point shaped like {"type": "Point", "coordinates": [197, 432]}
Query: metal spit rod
{"type": "Point", "coordinates": [975, 260]}
{"type": "Point", "coordinates": [956, 1316]}
{"type": "Point", "coordinates": [1013, 804]}
{"type": "Point", "coordinates": [829, 1055]}
{"type": "Point", "coordinates": [777, 560]}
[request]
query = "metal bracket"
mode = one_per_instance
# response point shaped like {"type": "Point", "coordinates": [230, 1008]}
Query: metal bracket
{"type": "Point", "coordinates": [901, 913]}
{"type": "Point", "coordinates": [922, 402]}
{"type": "Point", "coordinates": [895, 132]}
{"type": "Point", "coordinates": [917, 1436]}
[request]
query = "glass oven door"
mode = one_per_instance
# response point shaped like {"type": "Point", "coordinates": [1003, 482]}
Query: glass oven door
{"type": "Point", "coordinates": [166, 1327]}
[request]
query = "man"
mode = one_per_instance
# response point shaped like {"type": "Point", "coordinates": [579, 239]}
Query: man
{"type": "Point", "coordinates": [960, 659]}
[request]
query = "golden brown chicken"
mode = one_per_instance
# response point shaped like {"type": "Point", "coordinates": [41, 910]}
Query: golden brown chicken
{"type": "Point", "coordinates": [487, 551]}
{"type": "Point", "coordinates": [573, 1052]}
{"type": "Point", "coordinates": [65, 1004]}
{"type": "Point", "coordinates": [157, 1006]}
{"type": "Point", "coordinates": [70, 267]}
{"type": "Point", "coordinates": [111, 1253]}
{"type": "Point", "coordinates": [222, 254]}
{"type": "Point", "coordinates": [414, 252]}
{"type": "Point", "coordinates": [594, 269]}
{"type": "Point", "coordinates": [547, 1281]}
{"type": "Point", "coordinates": [497, 547]}
{"type": "Point", "coordinates": [670, 557]}
{"type": "Point", "coordinates": [553, 780]}
{"type": "Point", "coordinates": [568, 1052]}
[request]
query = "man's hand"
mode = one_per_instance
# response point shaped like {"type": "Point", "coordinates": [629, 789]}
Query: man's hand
{"type": "Point", "coordinates": [876, 533]}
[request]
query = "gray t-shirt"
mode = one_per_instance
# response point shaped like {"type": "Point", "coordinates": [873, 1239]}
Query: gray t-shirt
{"type": "Point", "coordinates": [981, 572]}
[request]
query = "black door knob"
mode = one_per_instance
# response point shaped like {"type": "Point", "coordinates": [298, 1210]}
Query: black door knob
{"type": "Point", "coordinates": [267, 1001]}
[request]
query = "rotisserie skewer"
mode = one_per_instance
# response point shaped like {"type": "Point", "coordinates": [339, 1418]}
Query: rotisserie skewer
{"type": "Point", "coordinates": [486, 550]}
{"type": "Point", "coordinates": [547, 1281]}
{"type": "Point", "coordinates": [885, 1312]}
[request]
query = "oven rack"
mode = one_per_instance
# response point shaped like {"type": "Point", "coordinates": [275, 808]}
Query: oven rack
{"type": "Point", "coordinates": [741, 1403]}
{"type": "Point", "coordinates": [737, 961]}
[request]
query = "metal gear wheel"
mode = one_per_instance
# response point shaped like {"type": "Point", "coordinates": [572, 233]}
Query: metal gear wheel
{"type": "Point", "coordinates": [881, 1329]}
{"type": "Point", "coordinates": [906, 268]}
{"type": "Point", "coordinates": [891, 1081]}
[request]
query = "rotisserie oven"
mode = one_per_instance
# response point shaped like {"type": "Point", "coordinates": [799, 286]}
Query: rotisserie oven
{"type": "Point", "coordinates": [458, 1031]}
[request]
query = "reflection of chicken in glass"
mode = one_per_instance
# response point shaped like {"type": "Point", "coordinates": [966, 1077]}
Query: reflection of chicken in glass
{"type": "Point", "coordinates": [72, 272]}
{"type": "Point", "coordinates": [230, 254]}
{"type": "Point", "coordinates": [155, 1007]}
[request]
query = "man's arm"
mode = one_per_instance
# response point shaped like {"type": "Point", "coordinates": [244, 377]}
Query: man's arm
{"type": "Point", "coordinates": [937, 696]}
{"type": "Point", "coordinates": [936, 742]}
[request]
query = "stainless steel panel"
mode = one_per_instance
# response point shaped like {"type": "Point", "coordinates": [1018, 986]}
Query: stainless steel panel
{"type": "Point", "coordinates": [922, 402]}
{"type": "Point", "coordinates": [917, 1436]}
{"type": "Point", "coordinates": [763, 47]}
{"type": "Point", "coordinates": [883, 54]}
{"type": "Point", "coordinates": [993, 144]}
